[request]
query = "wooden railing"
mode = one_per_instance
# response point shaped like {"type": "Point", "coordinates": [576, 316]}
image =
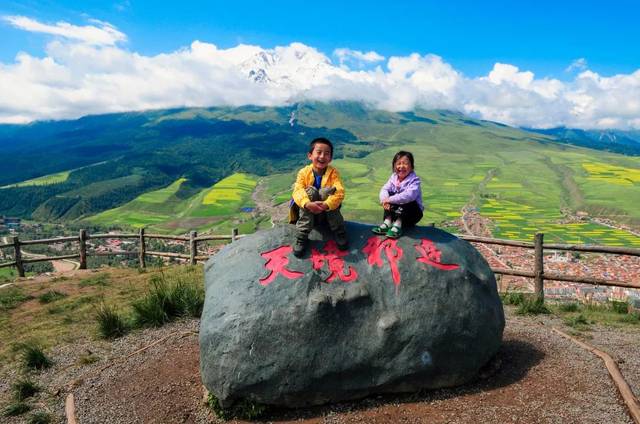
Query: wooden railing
{"type": "Point", "coordinates": [538, 274]}
{"type": "Point", "coordinates": [142, 251]}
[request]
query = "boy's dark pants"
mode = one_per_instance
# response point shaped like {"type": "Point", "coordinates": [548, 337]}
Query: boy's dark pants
{"type": "Point", "coordinates": [307, 220]}
{"type": "Point", "coordinates": [409, 213]}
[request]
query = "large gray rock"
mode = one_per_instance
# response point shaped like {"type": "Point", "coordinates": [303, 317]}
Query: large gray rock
{"type": "Point", "coordinates": [422, 312]}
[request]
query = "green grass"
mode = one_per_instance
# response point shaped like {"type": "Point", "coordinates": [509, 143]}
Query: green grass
{"type": "Point", "coordinates": [40, 417]}
{"type": "Point", "coordinates": [33, 356]}
{"type": "Point", "coordinates": [16, 408]}
{"type": "Point", "coordinates": [11, 297]}
{"type": "Point", "coordinates": [24, 389]}
{"type": "Point", "coordinates": [111, 324]}
{"type": "Point", "coordinates": [71, 320]}
{"type": "Point", "coordinates": [244, 409]}
{"type": "Point", "coordinates": [51, 296]}
{"type": "Point", "coordinates": [50, 179]}
{"type": "Point", "coordinates": [580, 316]}
{"type": "Point", "coordinates": [97, 280]}
{"type": "Point", "coordinates": [170, 297]}
{"type": "Point", "coordinates": [532, 306]}
{"type": "Point", "coordinates": [512, 298]}
{"type": "Point", "coordinates": [7, 274]}
{"type": "Point", "coordinates": [579, 322]}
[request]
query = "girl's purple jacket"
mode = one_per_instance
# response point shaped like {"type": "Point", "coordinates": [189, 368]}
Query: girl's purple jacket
{"type": "Point", "coordinates": [403, 192]}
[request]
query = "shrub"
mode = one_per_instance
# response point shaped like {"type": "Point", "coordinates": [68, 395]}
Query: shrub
{"type": "Point", "coordinates": [188, 299]}
{"type": "Point", "coordinates": [149, 311]}
{"type": "Point", "coordinates": [34, 357]}
{"type": "Point", "coordinates": [24, 389]}
{"type": "Point", "coordinates": [51, 296]}
{"type": "Point", "coordinates": [513, 298]}
{"type": "Point", "coordinates": [619, 307]}
{"type": "Point", "coordinates": [16, 408]}
{"type": "Point", "coordinates": [40, 417]}
{"type": "Point", "coordinates": [532, 306]}
{"type": "Point", "coordinates": [569, 307]}
{"type": "Point", "coordinates": [167, 300]}
{"type": "Point", "coordinates": [111, 325]}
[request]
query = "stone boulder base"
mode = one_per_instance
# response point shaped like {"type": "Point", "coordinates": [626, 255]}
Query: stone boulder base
{"type": "Point", "coordinates": [386, 316]}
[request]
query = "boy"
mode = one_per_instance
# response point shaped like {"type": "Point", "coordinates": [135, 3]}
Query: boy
{"type": "Point", "coordinates": [317, 193]}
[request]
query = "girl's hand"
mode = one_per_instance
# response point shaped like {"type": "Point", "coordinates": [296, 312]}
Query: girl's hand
{"type": "Point", "coordinates": [386, 205]}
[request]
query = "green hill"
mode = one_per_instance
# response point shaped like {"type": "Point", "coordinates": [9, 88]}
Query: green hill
{"type": "Point", "coordinates": [168, 161]}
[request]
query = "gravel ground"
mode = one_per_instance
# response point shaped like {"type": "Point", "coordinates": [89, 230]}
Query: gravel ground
{"type": "Point", "coordinates": [537, 377]}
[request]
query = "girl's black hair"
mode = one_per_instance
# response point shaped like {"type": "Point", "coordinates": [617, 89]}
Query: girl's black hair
{"type": "Point", "coordinates": [399, 155]}
{"type": "Point", "coordinates": [320, 140]}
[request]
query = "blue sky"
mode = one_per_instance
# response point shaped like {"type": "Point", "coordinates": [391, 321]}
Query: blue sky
{"type": "Point", "coordinates": [541, 36]}
{"type": "Point", "coordinates": [524, 63]}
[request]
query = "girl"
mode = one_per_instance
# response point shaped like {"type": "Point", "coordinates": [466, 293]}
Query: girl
{"type": "Point", "coordinates": [401, 197]}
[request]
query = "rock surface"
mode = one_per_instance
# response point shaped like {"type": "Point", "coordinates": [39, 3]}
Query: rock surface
{"type": "Point", "coordinates": [386, 316]}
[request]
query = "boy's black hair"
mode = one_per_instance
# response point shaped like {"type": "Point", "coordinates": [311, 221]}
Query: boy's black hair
{"type": "Point", "coordinates": [399, 155]}
{"type": "Point", "coordinates": [320, 140]}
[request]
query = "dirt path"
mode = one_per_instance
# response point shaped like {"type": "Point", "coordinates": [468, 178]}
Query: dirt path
{"type": "Point", "coordinates": [264, 205]}
{"type": "Point", "coordinates": [539, 377]}
{"type": "Point", "coordinates": [65, 265]}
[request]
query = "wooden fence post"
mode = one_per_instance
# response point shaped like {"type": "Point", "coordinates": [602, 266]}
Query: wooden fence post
{"type": "Point", "coordinates": [142, 249]}
{"type": "Point", "coordinates": [18, 256]}
{"type": "Point", "coordinates": [538, 265]}
{"type": "Point", "coordinates": [234, 235]}
{"type": "Point", "coordinates": [193, 247]}
{"type": "Point", "coordinates": [83, 249]}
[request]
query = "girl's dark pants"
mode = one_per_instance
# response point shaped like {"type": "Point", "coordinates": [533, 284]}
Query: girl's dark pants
{"type": "Point", "coordinates": [409, 213]}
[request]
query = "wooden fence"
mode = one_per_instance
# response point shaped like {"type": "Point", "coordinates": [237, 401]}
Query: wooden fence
{"type": "Point", "coordinates": [142, 251]}
{"type": "Point", "coordinates": [538, 274]}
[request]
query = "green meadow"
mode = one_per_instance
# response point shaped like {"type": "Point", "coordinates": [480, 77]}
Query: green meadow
{"type": "Point", "coordinates": [217, 207]}
{"type": "Point", "coordinates": [50, 179]}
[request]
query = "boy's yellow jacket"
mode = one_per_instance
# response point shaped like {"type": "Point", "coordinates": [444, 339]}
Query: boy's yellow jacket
{"type": "Point", "coordinates": [331, 178]}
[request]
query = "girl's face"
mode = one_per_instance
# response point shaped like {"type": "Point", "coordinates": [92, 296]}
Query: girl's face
{"type": "Point", "coordinates": [402, 167]}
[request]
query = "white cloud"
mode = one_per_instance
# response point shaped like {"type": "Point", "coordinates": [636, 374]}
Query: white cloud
{"type": "Point", "coordinates": [81, 74]}
{"type": "Point", "coordinates": [103, 34]}
{"type": "Point", "coordinates": [578, 64]}
{"type": "Point", "coordinates": [356, 57]}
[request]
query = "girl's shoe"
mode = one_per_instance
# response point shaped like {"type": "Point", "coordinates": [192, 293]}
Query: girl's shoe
{"type": "Point", "coordinates": [394, 232]}
{"type": "Point", "coordinates": [381, 229]}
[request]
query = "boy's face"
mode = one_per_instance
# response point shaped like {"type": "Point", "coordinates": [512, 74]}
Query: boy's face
{"type": "Point", "coordinates": [320, 157]}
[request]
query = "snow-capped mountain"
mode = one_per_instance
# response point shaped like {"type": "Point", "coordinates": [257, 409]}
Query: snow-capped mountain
{"type": "Point", "coordinates": [296, 67]}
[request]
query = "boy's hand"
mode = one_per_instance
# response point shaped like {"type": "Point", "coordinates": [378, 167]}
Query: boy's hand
{"type": "Point", "coordinates": [386, 205]}
{"type": "Point", "coordinates": [316, 207]}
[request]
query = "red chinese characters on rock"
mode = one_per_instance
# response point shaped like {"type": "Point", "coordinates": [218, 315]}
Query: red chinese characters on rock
{"type": "Point", "coordinates": [277, 262]}
{"type": "Point", "coordinates": [333, 256]}
{"type": "Point", "coordinates": [430, 255]}
{"type": "Point", "coordinates": [374, 248]}
{"type": "Point", "coordinates": [330, 255]}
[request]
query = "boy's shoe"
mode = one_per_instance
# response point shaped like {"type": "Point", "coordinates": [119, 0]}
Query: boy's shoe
{"type": "Point", "coordinates": [342, 240]}
{"type": "Point", "coordinates": [380, 229]}
{"type": "Point", "coordinates": [394, 232]}
{"type": "Point", "coordinates": [300, 246]}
